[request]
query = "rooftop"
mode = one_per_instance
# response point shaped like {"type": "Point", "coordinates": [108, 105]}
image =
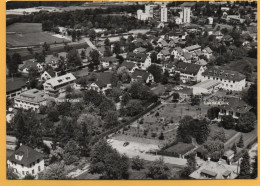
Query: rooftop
{"type": "Point", "coordinates": [14, 84]}
{"type": "Point", "coordinates": [224, 74]}
{"type": "Point", "coordinates": [33, 95]}
{"type": "Point", "coordinates": [29, 156]}
{"type": "Point", "coordinates": [61, 80]}
{"type": "Point", "coordinates": [208, 84]}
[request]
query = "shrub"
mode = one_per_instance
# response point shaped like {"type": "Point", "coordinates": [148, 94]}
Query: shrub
{"type": "Point", "coordinates": [154, 135]}
{"type": "Point", "coordinates": [137, 163]}
{"type": "Point", "coordinates": [157, 114]}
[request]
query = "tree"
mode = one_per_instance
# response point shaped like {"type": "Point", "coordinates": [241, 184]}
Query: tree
{"type": "Point", "coordinates": [175, 97]}
{"type": "Point", "coordinates": [117, 48]}
{"type": "Point", "coordinates": [53, 115]}
{"type": "Point", "coordinates": [254, 168]}
{"type": "Point", "coordinates": [107, 52]}
{"type": "Point", "coordinates": [73, 59]}
{"type": "Point", "coordinates": [111, 119]}
{"type": "Point", "coordinates": [12, 63]}
{"type": "Point", "coordinates": [107, 42]}
{"type": "Point", "coordinates": [137, 163]}
{"type": "Point", "coordinates": [227, 122]}
{"type": "Point", "coordinates": [33, 74]}
{"type": "Point", "coordinates": [125, 98]}
{"type": "Point", "coordinates": [251, 96]}
{"type": "Point", "coordinates": [156, 71]}
{"type": "Point", "coordinates": [94, 56]}
{"type": "Point", "coordinates": [220, 135]}
{"type": "Point", "coordinates": [246, 122]}
{"type": "Point", "coordinates": [234, 148]}
{"type": "Point", "coordinates": [134, 107]}
{"type": "Point", "coordinates": [195, 100]}
{"type": "Point", "coordinates": [10, 175]}
{"type": "Point", "coordinates": [71, 152]}
{"type": "Point", "coordinates": [83, 54]}
{"type": "Point", "coordinates": [165, 77]}
{"type": "Point", "coordinates": [245, 166]}
{"type": "Point", "coordinates": [213, 113]}
{"type": "Point", "coordinates": [29, 177]}
{"type": "Point", "coordinates": [158, 170]}
{"type": "Point", "coordinates": [54, 172]}
{"type": "Point", "coordinates": [92, 35]}
{"type": "Point", "coordinates": [183, 131]}
{"type": "Point", "coordinates": [190, 167]}
{"type": "Point", "coordinates": [240, 143]}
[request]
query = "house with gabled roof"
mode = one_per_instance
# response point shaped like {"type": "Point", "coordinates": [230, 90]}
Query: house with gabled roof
{"type": "Point", "coordinates": [139, 50]}
{"type": "Point", "coordinates": [131, 66]}
{"type": "Point", "coordinates": [31, 63]}
{"type": "Point", "coordinates": [207, 52]}
{"type": "Point", "coordinates": [164, 54]}
{"type": "Point", "coordinates": [48, 74]}
{"type": "Point", "coordinates": [162, 43]}
{"type": "Point", "coordinates": [189, 72]}
{"type": "Point", "coordinates": [231, 80]}
{"type": "Point", "coordinates": [102, 82]}
{"type": "Point", "coordinates": [26, 160]}
{"type": "Point", "coordinates": [109, 62]}
{"type": "Point", "coordinates": [57, 85]}
{"type": "Point", "coordinates": [177, 52]}
{"type": "Point", "coordinates": [143, 76]}
{"type": "Point", "coordinates": [143, 61]}
{"type": "Point", "coordinates": [15, 86]}
{"type": "Point", "coordinates": [192, 49]}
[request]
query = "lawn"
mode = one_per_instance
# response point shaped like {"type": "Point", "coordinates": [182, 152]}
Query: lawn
{"type": "Point", "coordinates": [180, 148]}
{"type": "Point", "coordinates": [29, 39]}
{"type": "Point", "coordinates": [24, 27]}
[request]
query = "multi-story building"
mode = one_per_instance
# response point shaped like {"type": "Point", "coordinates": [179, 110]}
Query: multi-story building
{"type": "Point", "coordinates": [231, 80]}
{"type": "Point", "coordinates": [57, 85]}
{"type": "Point", "coordinates": [30, 99]}
{"type": "Point", "coordinates": [26, 160]}
{"type": "Point", "coordinates": [143, 61]}
{"type": "Point", "coordinates": [145, 15]}
{"type": "Point", "coordinates": [164, 13]}
{"type": "Point", "coordinates": [185, 14]}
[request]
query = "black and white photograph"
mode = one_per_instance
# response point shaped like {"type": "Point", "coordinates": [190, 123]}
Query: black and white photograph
{"type": "Point", "coordinates": [131, 90]}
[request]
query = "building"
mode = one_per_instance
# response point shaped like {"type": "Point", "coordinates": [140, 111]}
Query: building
{"type": "Point", "coordinates": [102, 83]}
{"type": "Point", "coordinates": [15, 86]}
{"type": "Point", "coordinates": [26, 160]}
{"type": "Point", "coordinates": [233, 106]}
{"type": "Point", "coordinates": [215, 170]}
{"type": "Point", "coordinates": [143, 61]}
{"type": "Point", "coordinates": [189, 72]}
{"type": "Point", "coordinates": [207, 52]}
{"type": "Point", "coordinates": [231, 80]}
{"type": "Point", "coordinates": [192, 49]}
{"type": "Point", "coordinates": [185, 14]}
{"type": "Point", "coordinates": [30, 99]}
{"type": "Point", "coordinates": [164, 13]}
{"type": "Point", "coordinates": [48, 74]}
{"type": "Point", "coordinates": [143, 76]}
{"type": "Point", "coordinates": [55, 86]}
{"type": "Point", "coordinates": [130, 66]}
{"type": "Point", "coordinates": [206, 87]}
{"type": "Point", "coordinates": [30, 64]}
{"type": "Point", "coordinates": [109, 62]}
{"type": "Point", "coordinates": [145, 15]}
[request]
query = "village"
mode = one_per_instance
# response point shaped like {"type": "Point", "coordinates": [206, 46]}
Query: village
{"type": "Point", "coordinates": [124, 89]}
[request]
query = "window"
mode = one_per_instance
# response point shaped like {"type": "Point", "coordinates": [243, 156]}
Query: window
{"type": "Point", "coordinates": [27, 172]}
{"type": "Point", "coordinates": [32, 171]}
{"type": "Point", "coordinates": [38, 161]}
{"type": "Point", "coordinates": [23, 172]}
{"type": "Point", "coordinates": [39, 168]}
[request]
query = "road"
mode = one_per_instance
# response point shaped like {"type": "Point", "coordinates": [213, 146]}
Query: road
{"type": "Point", "coordinates": [90, 44]}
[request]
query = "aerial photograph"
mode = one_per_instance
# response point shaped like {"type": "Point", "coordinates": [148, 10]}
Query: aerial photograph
{"type": "Point", "coordinates": [131, 90]}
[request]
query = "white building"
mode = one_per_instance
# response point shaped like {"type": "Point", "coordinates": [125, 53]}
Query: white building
{"type": "Point", "coordinates": [206, 87]}
{"type": "Point", "coordinates": [231, 80]}
{"type": "Point", "coordinates": [164, 13]}
{"type": "Point", "coordinates": [30, 99]}
{"type": "Point", "coordinates": [145, 15]}
{"type": "Point", "coordinates": [26, 160]}
{"type": "Point", "coordinates": [55, 86]}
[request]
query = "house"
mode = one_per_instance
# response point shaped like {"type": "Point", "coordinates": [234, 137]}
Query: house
{"type": "Point", "coordinates": [143, 76]}
{"type": "Point", "coordinates": [52, 61]}
{"type": "Point", "coordinates": [189, 72]}
{"type": "Point", "coordinates": [187, 57]}
{"type": "Point", "coordinates": [109, 62]}
{"type": "Point", "coordinates": [231, 80]}
{"type": "Point", "coordinates": [48, 74]}
{"type": "Point", "coordinates": [227, 38]}
{"type": "Point", "coordinates": [206, 87]}
{"type": "Point", "coordinates": [162, 43]}
{"type": "Point", "coordinates": [30, 99]}
{"type": "Point", "coordinates": [177, 52]}
{"type": "Point", "coordinates": [201, 62]}
{"type": "Point", "coordinates": [192, 49]}
{"type": "Point", "coordinates": [215, 170]}
{"type": "Point", "coordinates": [102, 82]}
{"type": "Point", "coordinates": [207, 52]}
{"type": "Point", "coordinates": [26, 160]}
{"type": "Point", "coordinates": [57, 85]}
{"type": "Point", "coordinates": [130, 66]}
{"type": "Point", "coordinates": [15, 86]}
{"type": "Point", "coordinates": [184, 92]}
{"type": "Point", "coordinates": [233, 106]}
{"type": "Point", "coordinates": [30, 64]}
{"type": "Point", "coordinates": [143, 61]}
{"type": "Point", "coordinates": [169, 66]}
{"type": "Point", "coordinates": [164, 54]}
{"type": "Point", "coordinates": [218, 35]}
{"type": "Point", "coordinates": [173, 42]}
{"type": "Point", "coordinates": [139, 50]}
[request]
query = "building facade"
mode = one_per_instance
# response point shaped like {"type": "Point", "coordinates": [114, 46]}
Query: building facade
{"type": "Point", "coordinates": [164, 13]}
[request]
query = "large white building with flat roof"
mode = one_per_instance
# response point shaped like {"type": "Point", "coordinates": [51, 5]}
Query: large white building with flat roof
{"type": "Point", "coordinates": [30, 99]}
{"type": "Point", "coordinates": [57, 85]}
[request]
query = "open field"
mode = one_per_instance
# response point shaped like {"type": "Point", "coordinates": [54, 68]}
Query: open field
{"type": "Point", "coordinates": [180, 148]}
{"type": "Point", "coordinates": [24, 27]}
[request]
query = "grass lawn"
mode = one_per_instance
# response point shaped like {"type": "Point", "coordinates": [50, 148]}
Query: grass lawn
{"type": "Point", "coordinates": [180, 148]}
{"type": "Point", "coordinates": [24, 27]}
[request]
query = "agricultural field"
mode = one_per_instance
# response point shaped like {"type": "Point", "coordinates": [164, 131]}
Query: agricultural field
{"type": "Point", "coordinates": [29, 34]}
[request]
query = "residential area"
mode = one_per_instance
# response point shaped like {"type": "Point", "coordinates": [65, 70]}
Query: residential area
{"type": "Point", "coordinates": [131, 90]}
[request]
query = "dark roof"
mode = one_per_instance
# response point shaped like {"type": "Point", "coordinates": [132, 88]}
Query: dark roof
{"type": "Point", "coordinates": [109, 59]}
{"type": "Point", "coordinates": [81, 73]}
{"type": "Point", "coordinates": [51, 72]}
{"type": "Point", "coordinates": [103, 79]}
{"type": "Point", "coordinates": [236, 105]}
{"type": "Point", "coordinates": [128, 65]}
{"type": "Point", "coordinates": [188, 4]}
{"type": "Point", "coordinates": [14, 84]}
{"type": "Point", "coordinates": [226, 173]}
{"type": "Point", "coordinates": [140, 74]}
{"type": "Point", "coordinates": [29, 155]}
{"type": "Point", "coordinates": [187, 68]}
{"type": "Point", "coordinates": [224, 74]}
{"type": "Point", "coordinates": [208, 172]}
{"type": "Point", "coordinates": [136, 57]}
{"type": "Point", "coordinates": [28, 64]}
